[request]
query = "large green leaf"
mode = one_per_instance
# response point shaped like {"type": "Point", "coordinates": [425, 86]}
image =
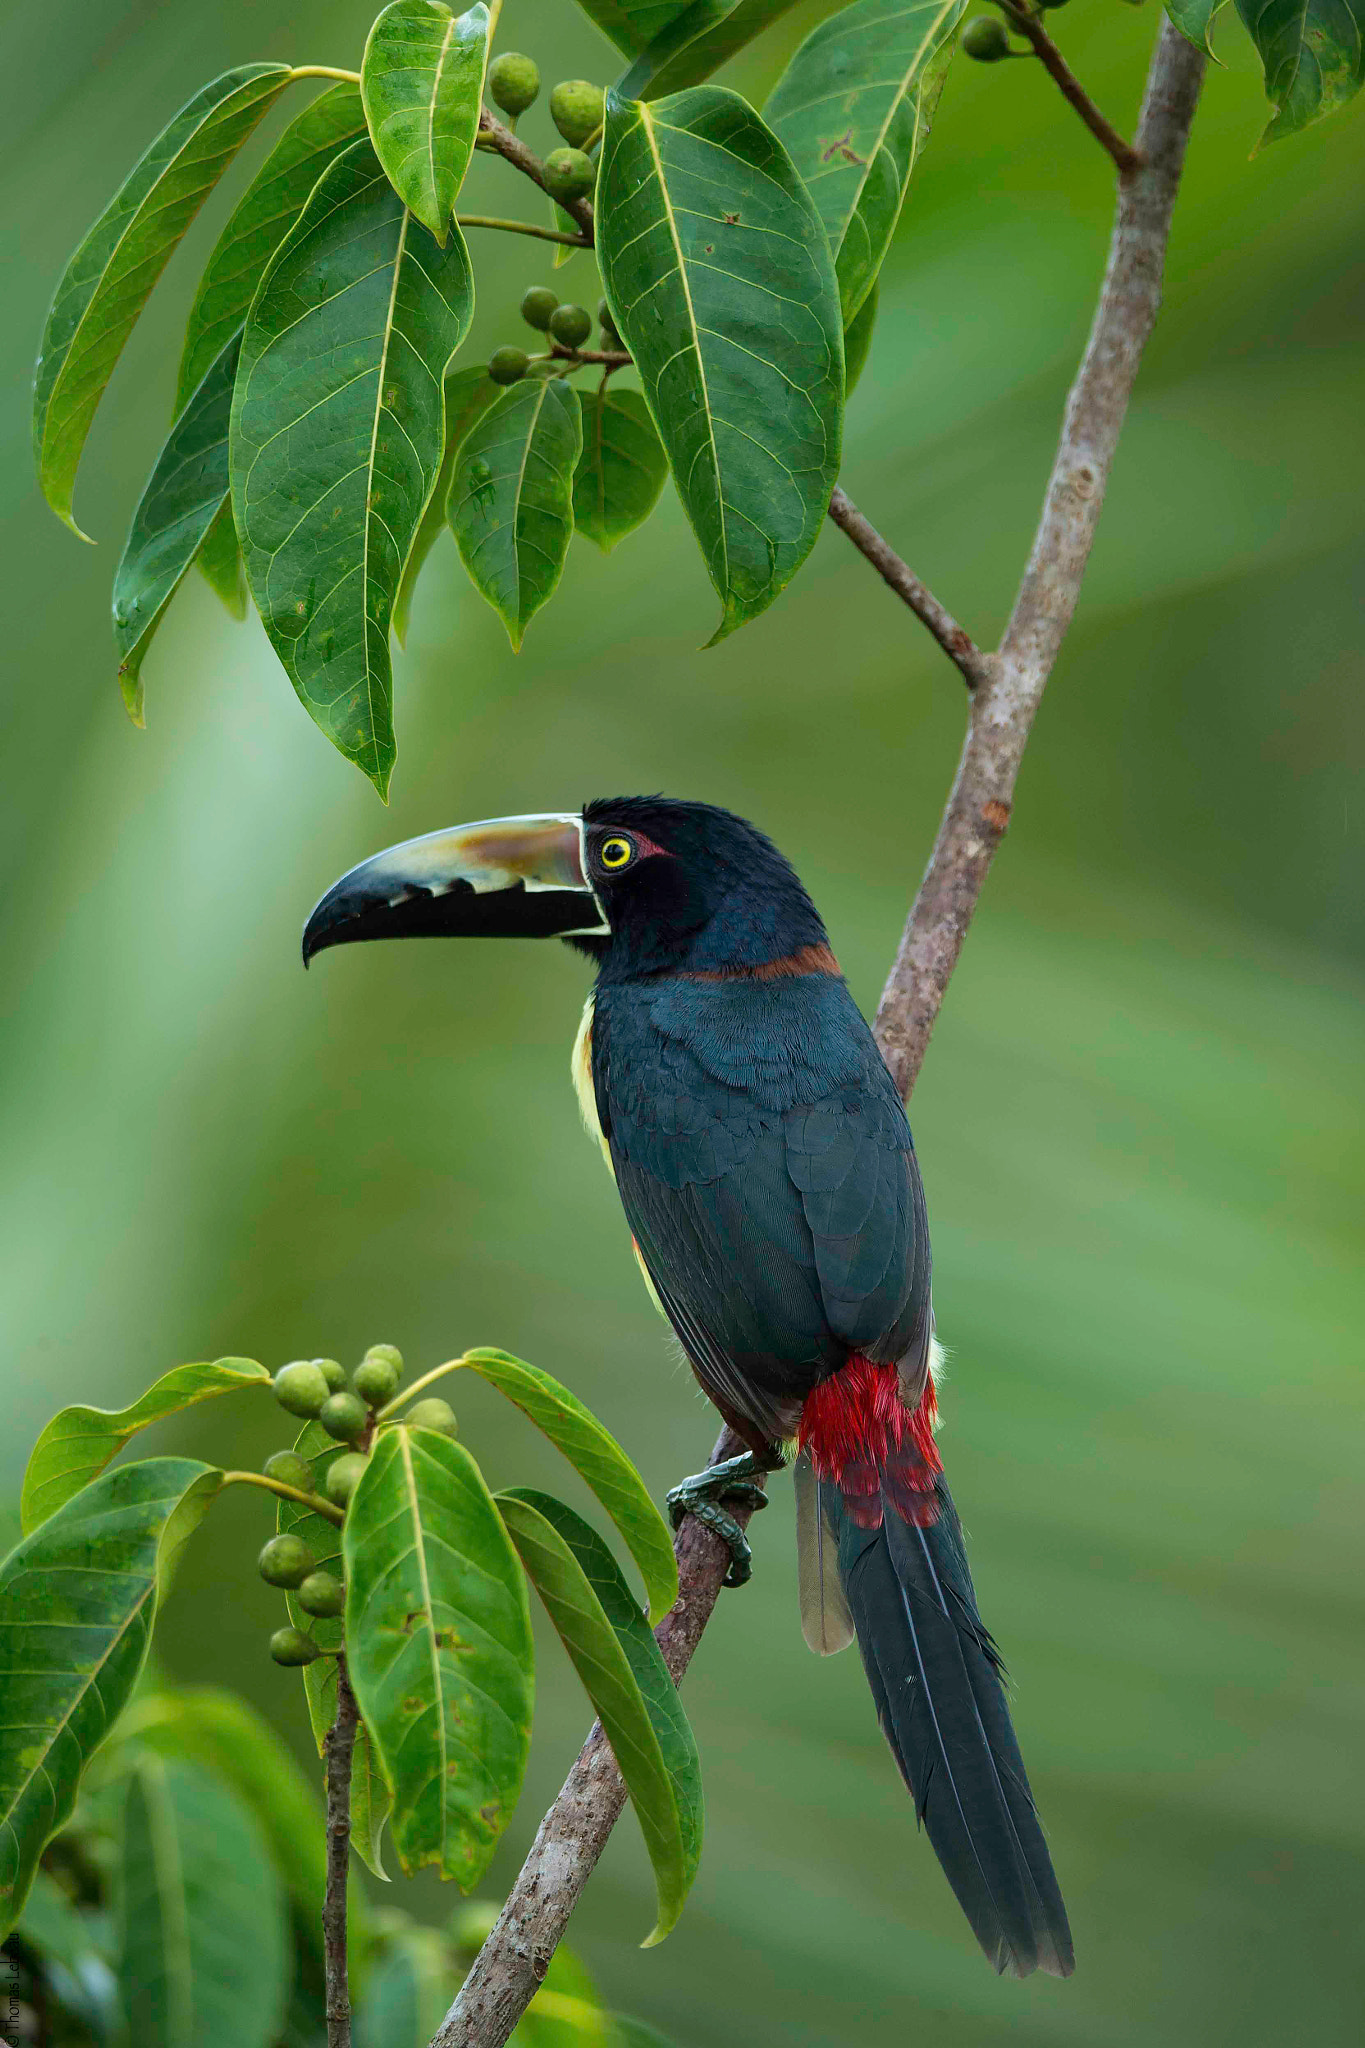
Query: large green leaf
{"type": "Point", "coordinates": [511, 497]}
{"type": "Point", "coordinates": [59, 1930]}
{"type": "Point", "coordinates": [858, 339]}
{"type": "Point", "coordinates": [1314, 57]}
{"type": "Point", "coordinates": [77, 1602]}
{"type": "Point", "coordinates": [1195, 19]}
{"type": "Point", "coordinates": [720, 279]}
{"type": "Point", "coordinates": [185, 494]}
{"type": "Point", "coordinates": [108, 280]}
{"type": "Point", "coordinates": [79, 1442]}
{"type": "Point", "coordinates": [201, 1914]}
{"type": "Point", "coordinates": [469, 393]}
{"type": "Point", "coordinates": [633, 24]}
{"type": "Point", "coordinates": [370, 1796]}
{"type": "Point", "coordinates": [695, 42]}
{"type": "Point", "coordinates": [438, 1645]}
{"type": "Point", "coordinates": [337, 437]}
{"type": "Point", "coordinates": [598, 1459]}
{"type": "Point", "coordinates": [625, 1677]}
{"type": "Point", "coordinates": [422, 85]}
{"type": "Point", "coordinates": [219, 562]}
{"type": "Point", "coordinates": [621, 470]}
{"type": "Point", "coordinates": [259, 223]}
{"type": "Point", "coordinates": [853, 109]}
{"type": "Point", "coordinates": [408, 1993]}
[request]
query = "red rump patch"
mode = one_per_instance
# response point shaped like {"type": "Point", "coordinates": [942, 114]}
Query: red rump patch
{"type": "Point", "coordinates": [859, 1433]}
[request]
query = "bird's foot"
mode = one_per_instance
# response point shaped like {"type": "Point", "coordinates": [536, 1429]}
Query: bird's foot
{"type": "Point", "coordinates": [702, 1495]}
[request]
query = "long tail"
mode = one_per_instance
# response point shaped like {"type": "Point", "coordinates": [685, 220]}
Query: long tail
{"type": "Point", "coordinates": [901, 1583]}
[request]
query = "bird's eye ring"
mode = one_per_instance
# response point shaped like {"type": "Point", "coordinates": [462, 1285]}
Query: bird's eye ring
{"type": "Point", "coordinates": [615, 853]}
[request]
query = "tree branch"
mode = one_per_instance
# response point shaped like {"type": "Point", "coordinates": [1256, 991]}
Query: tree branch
{"type": "Point", "coordinates": [1028, 25]}
{"type": "Point", "coordinates": [956, 644]}
{"type": "Point", "coordinates": [573, 1833]}
{"type": "Point", "coordinates": [493, 135]}
{"type": "Point", "coordinates": [339, 1748]}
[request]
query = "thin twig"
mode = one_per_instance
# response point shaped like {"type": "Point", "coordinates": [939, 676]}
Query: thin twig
{"type": "Point", "coordinates": [313, 1501]}
{"type": "Point", "coordinates": [1027, 24]}
{"type": "Point", "coordinates": [493, 134]}
{"type": "Point", "coordinates": [520, 227]}
{"type": "Point", "coordinates": [517, 1953]}
{"type": "Point", "coordinates": [957, 644]}
{"type": "Point", "coordinates": [611, 358]}
{"type": "Point", "coordinates": [339, 1748]}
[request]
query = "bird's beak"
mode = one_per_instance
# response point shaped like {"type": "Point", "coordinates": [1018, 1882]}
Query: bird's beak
{"type": "Point", "coordinates": [502, 878]}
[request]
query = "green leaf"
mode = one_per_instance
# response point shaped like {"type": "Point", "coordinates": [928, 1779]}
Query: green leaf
{"type": "Point", "coordinates": [220, 562]}
{"type": "Point", "coordinates": [695, 43]}
{"type": "Point", "coordinates": [202, 1918]}
{"type": "Point", "coordinates": [858, 339]}
{"type": "Point", "coordinates": [599, 1461]}
{"type": "Point", "coordinates": [184, 496]}
{"type": "Point", "coordinates": [79, 1442]}
{"type": "Point", "coordinates": [422, 84]}
{"type": "Point", "coordinates": [109, 279]}
{"type": "Point", "coordinates": [633, 24]}
{"type": "Point", "coordinates": [438, 1646]}
{"type": "Point", "coordinates": [259, 223]}
{"type": "Point", "coordinates": [370, 1796]}
{"type": "Point", "coordinates": [408, 1993]}
{"type": "Point", "coordinates": [77, 1602]}
{"type": "Point", "coordinates": [337, 436]}
{"type": "Point", "coordinates": [1195, 19]}
{"type": "Point", "coordinates": [208, 1726]}
{"type": "Point", "coordinates": [57, 1929]}
{"type": "Point", "coordinates": [853, 109]}
{"type": "Point", "coordinates": [720, 279]}
{"type": "Point", "coordinates": [621, 470]}
{"type": "Point", "coordinates": [625, 1677]}
{"type": "Point", "coordinates": [1313, 52]}
{"type": "Point", "coordinates": [511, 498]}
{"type": "Point", "coordinates": [469, 393]}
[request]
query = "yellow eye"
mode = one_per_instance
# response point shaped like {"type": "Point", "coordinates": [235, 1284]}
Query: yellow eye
{"type": "Point", "coordinates": [614, 853]}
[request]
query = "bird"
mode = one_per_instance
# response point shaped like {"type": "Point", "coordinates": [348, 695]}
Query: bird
{"type": "Point", "coordinates": [765, 1164]}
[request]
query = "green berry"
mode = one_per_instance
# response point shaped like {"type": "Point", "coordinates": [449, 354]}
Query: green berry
{"type": "Point", "coordinates": [537, 305]}
{"type": "Point", "coordinates": [301, 1387]}
{"type": "Point", "coordinates": [568, 174]}
{"type": "Point", "coordinates": [432, 1414]}
{"type": "Point", "coordinates": [344, 1416]}
{"type": "Point", "coordinates": [321, 1595]}
{"type": "Point", "coordinates": [513, 82]}
{"type": "Point", "coordinates": [291, 1646]}
{"type": "Point", "coordinates": [571, 325]}
{"type": "Point", "coordinates": [343, 1477]}
{"type": "Point", "coordinates": [375, 1380]}
{"type": "Point", "coordinates": [390, 1354]}
{"type": "Point", "coordinates": [333, 1371]}
{"type": "Point", "coordinates": [985, 39]}
{"type": "Point", "coordinates": [508, 365]}
{"type": "Point", "coordinates": [286, 1561]}
{"type": "Point", "coordinates": [604, 320]}
{"type": "Point", "coordinates": [576, 109]}
{"type": "Point", "coordinates": [290, 1469]}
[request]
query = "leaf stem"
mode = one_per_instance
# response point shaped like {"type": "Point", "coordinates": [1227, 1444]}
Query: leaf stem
{"type": "Point", "coordinates": [324, 71]}
{"type": "Point", "coordinates": [339, 1749]}
{"type": "Point", "coordinates": [956, 643]}
{"type": "Point", "coordinates": [494, 135]}
{"type": "Point", "coordinates": [521, 227]}
{"type": "Point", "coordinates": [494, 10]}
{"type": "Point", "coordinates": [308, 1500]}
{"type": "Point", "coordinates": [427, 1379]}
{"type": "Point", "coordinates": [1027, 24]}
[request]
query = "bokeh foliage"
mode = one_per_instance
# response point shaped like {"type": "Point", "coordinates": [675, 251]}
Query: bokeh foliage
{"type": "Point", "coordinates": [1140, 1119]}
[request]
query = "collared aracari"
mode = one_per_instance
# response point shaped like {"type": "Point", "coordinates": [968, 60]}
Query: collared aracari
{"type": "Point", "coordinates": [767, 1172]}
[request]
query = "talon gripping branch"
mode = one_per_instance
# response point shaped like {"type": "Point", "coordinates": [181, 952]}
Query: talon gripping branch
{"type": "Point", "coordinates": [768, 1176]}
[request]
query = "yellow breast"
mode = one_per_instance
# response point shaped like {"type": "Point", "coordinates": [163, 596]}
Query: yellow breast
{"type": "Point", "coordinates": [581, 1068]}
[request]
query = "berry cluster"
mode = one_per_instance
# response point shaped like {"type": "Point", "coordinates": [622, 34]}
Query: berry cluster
{"type": "Point", "coordinates": [567, 327]}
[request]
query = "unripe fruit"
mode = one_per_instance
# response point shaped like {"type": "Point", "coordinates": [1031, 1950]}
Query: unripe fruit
{"type": "Point", "coordinates": [610, 330]}
{"type": "Point", "coordinates": [433, 1414]}
{"type": "Point", "coordinates": [576, 109]}
{"type": "Point", "coordinates": [286, 1561]}
{"type": "Point", "coordinates": [344, 1416]}
{"type": "Point", "coordinates": [301, 1387]}
{"type": "Point", "coordinates": [571, 325]}
{"type": "Point", "coordinates": [389, 1353]}
{"type": "Point", "coordinates": [513, 82]}
{"type": "Point", "coordinates": [291, 1646]}
{"type": "Point", "coordinates": [985, 39]}
{"type": "Point", "coordinates": [343, 1477]}
{"type": "Point", "coordinates": [290, 1469]}
{"type": "Point", "coordinates": [321, 1595]}
{"type": "Point", "coordinates": [375, 1380]}
{"type": "Point", "coordinates": [568, 174]}
{"type": "Point", "coordinates": [333, 1371]}
{"type": "Point", "coordinates": [508, 365]}
{"type": "Point", "coordinates": [537, 305]}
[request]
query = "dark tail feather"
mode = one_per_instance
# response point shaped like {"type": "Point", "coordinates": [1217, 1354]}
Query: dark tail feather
{"type": "Point", "coordinates": [935, 1676]}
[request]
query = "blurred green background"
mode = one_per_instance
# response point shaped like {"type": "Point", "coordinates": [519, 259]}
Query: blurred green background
{"type": "Point", "coordinates": [1140, 1121]}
